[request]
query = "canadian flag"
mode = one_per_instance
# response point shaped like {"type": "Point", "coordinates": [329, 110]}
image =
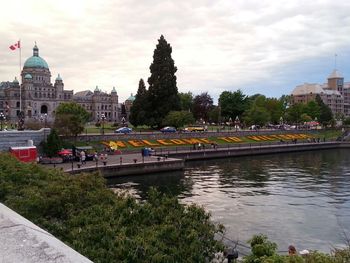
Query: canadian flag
{"type": "Point", "coordinates": [15, 46]}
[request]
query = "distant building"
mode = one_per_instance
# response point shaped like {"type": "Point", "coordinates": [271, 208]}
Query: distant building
{"type": "Point", "coordinates": [40, 97]}
{"type": "Point", "coordinates": [99, 104]}
{"type": "Point", "coordinates": [128, 104]}
{"type": "Point", "coordinates": [335, 93]}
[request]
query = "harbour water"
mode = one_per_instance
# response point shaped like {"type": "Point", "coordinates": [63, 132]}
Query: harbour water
{"type": "Point", "coordinates": [295, 198]}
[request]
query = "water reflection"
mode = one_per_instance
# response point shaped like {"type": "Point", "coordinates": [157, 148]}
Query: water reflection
{"type": "Point", "coordinates": [300, 198]}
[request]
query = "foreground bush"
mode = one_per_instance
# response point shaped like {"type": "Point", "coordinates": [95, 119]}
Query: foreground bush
{"type": "Point", "coordinates": [107, 227]}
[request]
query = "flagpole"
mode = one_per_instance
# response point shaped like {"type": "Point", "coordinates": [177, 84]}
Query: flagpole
{"type": "Point", "coordinates": [20, 67]}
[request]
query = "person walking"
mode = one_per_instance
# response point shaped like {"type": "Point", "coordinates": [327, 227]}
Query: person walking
{"type": "Point", "coordinates": [83, 157]}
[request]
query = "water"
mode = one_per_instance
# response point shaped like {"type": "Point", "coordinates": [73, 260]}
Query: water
{"type": "Point", "coordinates": [296, 198]}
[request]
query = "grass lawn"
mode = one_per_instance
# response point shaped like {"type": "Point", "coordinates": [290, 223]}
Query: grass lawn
{"type": "Point", "coordinates": [328, 134]}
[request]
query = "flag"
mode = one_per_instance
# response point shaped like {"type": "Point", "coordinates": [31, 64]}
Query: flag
{"type": "Point", "coordinates": [15, 46]}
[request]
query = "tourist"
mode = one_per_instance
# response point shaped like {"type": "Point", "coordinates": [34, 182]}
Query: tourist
{"type": "Point", "coordinates": [83, 157]}
{"type": "Point", "coordinates": [291, 250]}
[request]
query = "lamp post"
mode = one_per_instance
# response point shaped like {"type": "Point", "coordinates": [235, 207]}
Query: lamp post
{"type": "Point", "coordinates": [2, 117]}
{"type": "Point", "coordinates": [281, 122]}
{"type": "Point", "coordinates": [237, 122]}
{"type": "Point", "coordinates": [103, 117]}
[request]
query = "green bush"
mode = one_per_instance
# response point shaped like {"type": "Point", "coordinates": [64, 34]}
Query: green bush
{"type": "Point", "coordinates": [265, 251]}
{"type": "Point", "coordinates": [102, 225]}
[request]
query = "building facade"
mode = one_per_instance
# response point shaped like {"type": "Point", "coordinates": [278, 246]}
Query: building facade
{"type": "Point", "coordinates": [38, 98]}
{"type": "Point", "coordinates": [335, 94]}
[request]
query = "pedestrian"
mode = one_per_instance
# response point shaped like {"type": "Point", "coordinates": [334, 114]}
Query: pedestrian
{"type": "Point", "coordinates": [292, 250]}
{"type": "Point", "coordinates": [95, 156]}
{"type": "Point", "coordinates": [83, 157]}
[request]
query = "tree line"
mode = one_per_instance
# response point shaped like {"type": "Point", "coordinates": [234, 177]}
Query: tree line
{"type": "Point", "coordinates": [161, 104]}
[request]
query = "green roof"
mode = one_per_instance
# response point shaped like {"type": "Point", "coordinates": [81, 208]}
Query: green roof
{"type": "Point", "coordinates": [58, 77]}
{"type": "Point", "coordinates": [35, 61]}
{"type": "Point", "coordinates": [131, 98]}
{"type": "Point", "coordinates": [28, 76]}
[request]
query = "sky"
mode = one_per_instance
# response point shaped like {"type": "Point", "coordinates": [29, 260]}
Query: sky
{"type": "Point", "coordinates": [258, 46]}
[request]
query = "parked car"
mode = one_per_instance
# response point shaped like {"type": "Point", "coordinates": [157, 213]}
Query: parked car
{"type": "Point", "coordinates": [168, 129]}
{"type": "Point", "coordinates": [195, 128]}
{"type": "Point", "coordinates": [123, 130]}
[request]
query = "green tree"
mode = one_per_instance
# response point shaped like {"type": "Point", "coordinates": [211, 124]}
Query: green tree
{"type": "Point", "coordinates": [326, 114]}
{"type": "Point", "coordinates": [178, 119]}
{"type": "Point", "coordinates": [162, 93]}
{"type": "Point", "coordinates": [257, 113]}
{"type": "Point", "coordinates": [53, 144]}
{"type": "Point", "coordinates": [202, 105]}
{"type": "Point", "coordinates": [186, 101]}
{"type": "Point", "coordinates": [214, 114]}
{"type": "Point", "coordinates": [294, 113]}
{"type": "Point", "coordinates": [138, 111]}
{"type": "Point", "coordinates": [305, 117]}
{"type": "Point", "coordinates": [70, 118]}
{"type": "Point", "coordinates": [313, 109]}
{"type": "Point", "coordinates": [233, 104]}
{"type": "Point", "coordinates": [276, 109]}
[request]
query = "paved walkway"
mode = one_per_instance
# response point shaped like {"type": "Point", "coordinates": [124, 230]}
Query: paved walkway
{"type": "Point", "coordinates": [111, 160]}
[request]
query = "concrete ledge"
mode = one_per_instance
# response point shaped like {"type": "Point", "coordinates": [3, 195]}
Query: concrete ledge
{"type": "Point", "coordinates": [22, 241]}
{"type": "Point", "coordinates": [115, 170]}
{"type": "Point", "coordinates": [253, 150]}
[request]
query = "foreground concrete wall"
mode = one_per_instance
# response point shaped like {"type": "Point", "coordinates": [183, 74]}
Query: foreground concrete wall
{"type": "Point", "coordinates": [20, 138]}
{"type": "Point", "coordinates": [22, 241]}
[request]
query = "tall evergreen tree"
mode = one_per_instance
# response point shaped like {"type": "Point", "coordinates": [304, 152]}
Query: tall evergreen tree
{"type": "Point", "coordinates": [162, 94]}
{"type": "Point", "coordinates": [140, 106]}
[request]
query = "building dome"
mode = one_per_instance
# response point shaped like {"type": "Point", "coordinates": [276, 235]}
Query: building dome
{"type": "Point", "coordinates": [15, 80]}
{"type": "Point", "coordinates": [58, 78]}
{"type": "Point", "coordinates": [28, 76]}
{"type": "Point", "coordinates": [131, 98]}
{"type": "Point", "coordinates": [35, 61]}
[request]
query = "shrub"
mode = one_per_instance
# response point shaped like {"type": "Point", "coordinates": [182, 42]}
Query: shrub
{"type": "Point", "coordinates": [104, 226]}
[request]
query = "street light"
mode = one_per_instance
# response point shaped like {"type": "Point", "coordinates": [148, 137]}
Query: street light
{"type": "Point", "coordinates": [2, 118]}
{"type": "Point", "coordinates": [103, 117]}
{"type": "Point", "coordinates": [237, 122]}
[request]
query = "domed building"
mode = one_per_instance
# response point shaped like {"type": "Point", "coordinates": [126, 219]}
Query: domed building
{"type": "Point", "coordinates": [40, 97]}
{"type": "Point", "coordinates": [335, 93]}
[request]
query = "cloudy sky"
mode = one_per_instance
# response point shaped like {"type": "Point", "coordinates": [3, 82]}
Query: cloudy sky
{"type": "Point", "coordinates": [258, 46]}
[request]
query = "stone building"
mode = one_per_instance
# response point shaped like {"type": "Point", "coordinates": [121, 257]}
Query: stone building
{"type": "Point", "coordinates": [40, 97]}
{"type": "Point", "coordinates": [335, 93]}
{"type": "Point", "coordinates": [101, 105]}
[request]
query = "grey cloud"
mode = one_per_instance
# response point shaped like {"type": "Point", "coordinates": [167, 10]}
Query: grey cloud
{"type": "Point", "coordinates": [216, 44]}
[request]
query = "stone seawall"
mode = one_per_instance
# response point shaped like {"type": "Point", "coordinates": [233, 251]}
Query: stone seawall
{"type": "Point", "coordinates": [116, 170]}
{"type": "Point", "coordinates": [20, 138]}
{"type": "Point", "coordinates": [253, 150]}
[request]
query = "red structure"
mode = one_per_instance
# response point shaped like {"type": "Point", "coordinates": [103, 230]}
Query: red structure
{"type": "Point", "coordinates": [25, 153]}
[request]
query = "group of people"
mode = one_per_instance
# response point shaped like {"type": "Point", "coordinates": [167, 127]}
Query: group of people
{"type": "Point", "coordinates": [292, 251]}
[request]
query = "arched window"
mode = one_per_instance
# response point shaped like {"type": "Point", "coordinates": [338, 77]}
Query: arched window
{"type": "Point", "coordinates": [18, 104]}
{"type": "Point", "coordinates": [43, 109]}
